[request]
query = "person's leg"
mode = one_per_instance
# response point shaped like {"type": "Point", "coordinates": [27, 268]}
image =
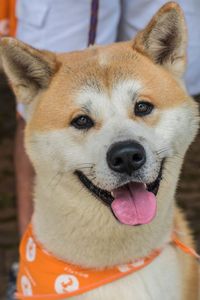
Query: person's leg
{"type": "Point", "coordinates": [24, 178]}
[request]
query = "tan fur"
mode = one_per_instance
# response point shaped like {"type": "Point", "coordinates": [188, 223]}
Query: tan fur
{"type": "Point", "coordinates": [167, 96]}
{"type": "Point", "coordinates": [121, 57]}
{"type": "Point", "coordinates": [105, 82]}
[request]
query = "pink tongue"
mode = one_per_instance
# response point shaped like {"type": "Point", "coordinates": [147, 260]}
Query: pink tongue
{"type": "Point", "coordinates": [133, 204]}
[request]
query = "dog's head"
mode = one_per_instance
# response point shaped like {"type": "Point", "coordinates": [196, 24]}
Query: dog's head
{"type": "Point", "coordinates": [110, 119]}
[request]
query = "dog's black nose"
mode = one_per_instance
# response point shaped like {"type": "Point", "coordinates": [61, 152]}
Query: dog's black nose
{"type": "Point", "coordinates": [126, 157]}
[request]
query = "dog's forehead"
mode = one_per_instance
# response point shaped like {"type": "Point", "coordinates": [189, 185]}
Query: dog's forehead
{"type": "Point", "coordinates": [117, 71]}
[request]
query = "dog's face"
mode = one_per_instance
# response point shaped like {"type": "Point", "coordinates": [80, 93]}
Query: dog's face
{"type": "Point", "coordinates": [110, 118]}
{"type": "Point", "coordinates": [116, 120]}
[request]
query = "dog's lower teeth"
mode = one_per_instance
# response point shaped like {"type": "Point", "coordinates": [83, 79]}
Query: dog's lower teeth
{"type": "Point", "coordinates": [112, 194]}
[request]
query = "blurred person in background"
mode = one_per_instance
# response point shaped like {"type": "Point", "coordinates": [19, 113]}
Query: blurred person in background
{"type": "Point", "coordinates": [62, 26]}
{"type": "Point", "coordinates": [7, 18]}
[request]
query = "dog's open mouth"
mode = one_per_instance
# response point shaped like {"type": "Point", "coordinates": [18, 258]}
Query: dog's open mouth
{"type": "Point", "coordinates": [132, 204]}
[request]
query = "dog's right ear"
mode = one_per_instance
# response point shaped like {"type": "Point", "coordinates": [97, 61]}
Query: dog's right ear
{"type": "Point", "coordinates": [29, 70]}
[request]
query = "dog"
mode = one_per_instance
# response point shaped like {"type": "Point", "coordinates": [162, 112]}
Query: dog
{"type": "Point", "coordinates": [107, 131]}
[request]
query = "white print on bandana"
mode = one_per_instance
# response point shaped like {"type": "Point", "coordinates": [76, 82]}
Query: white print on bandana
{"type": "Point", "coordinates": [138, 263]}
{"type": "Point", "coordinates": [125, 268]}
{"type": "Point", "coordinates": [26, 286]}
{"type": "Point", "coordinates": [30, 250]}
{"type": "Point", "coordinates": [66, 283]}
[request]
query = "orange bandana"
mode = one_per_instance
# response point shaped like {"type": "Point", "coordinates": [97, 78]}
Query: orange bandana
{"type": "Point", "coordinates": [43, 276]}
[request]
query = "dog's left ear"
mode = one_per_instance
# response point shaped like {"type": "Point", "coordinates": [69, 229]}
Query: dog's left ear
{"type": "Point", "coordinates": [29, 70]}
{"type": "Point", "coordinates": [164, 39]}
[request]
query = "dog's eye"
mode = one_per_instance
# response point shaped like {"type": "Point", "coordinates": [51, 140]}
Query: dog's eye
{"type": "Point", "coordinates": [82, 122]}
{"type": "Point", "coordinates": [143, 108]}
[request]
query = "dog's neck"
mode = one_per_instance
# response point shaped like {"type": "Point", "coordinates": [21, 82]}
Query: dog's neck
{"type": "Point", "coordinates": [78, 228]}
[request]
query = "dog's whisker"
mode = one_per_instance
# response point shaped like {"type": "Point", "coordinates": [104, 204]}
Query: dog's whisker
{"type": "Point", "coordinates": [140, 179]}
{"type": "Point", "coordinates": [59, 180]}
{"type": "Point", "coordinates": [55, 182]}
{"type": "Point", "coordinates": [52, 179]}
{"type": "Point", "coordinates": [162, 151]}
{"type": "Point", "coordinates": [83, 164]}
{"type": "Point", "coordinates": [89, 170]}
{"type": "Point", "coordinates": [178, 156]}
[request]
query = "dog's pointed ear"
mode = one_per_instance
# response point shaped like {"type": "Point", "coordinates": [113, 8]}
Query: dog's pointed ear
{"type": "Point", "coordinates": [29, 70]}
{"type": "Point", "coordinates": [164, 39]}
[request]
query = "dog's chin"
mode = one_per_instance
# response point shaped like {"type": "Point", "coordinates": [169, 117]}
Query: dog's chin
{"type": "Point", "coordinates": [132, 203]}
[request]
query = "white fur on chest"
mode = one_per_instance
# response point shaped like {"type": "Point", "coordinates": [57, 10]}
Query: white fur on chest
{"type": "Point", "coordinates": [161, 280]}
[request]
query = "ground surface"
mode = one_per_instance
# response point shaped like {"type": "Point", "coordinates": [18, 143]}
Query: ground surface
{"type": "Point", "coordinates": [188, 191]}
